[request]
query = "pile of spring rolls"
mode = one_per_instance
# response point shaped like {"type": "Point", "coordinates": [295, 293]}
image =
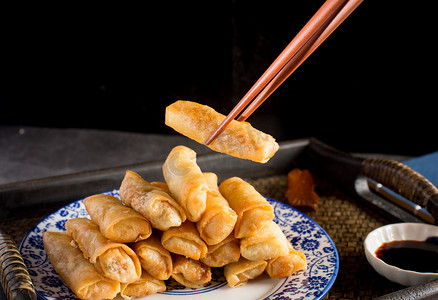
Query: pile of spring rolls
{"type": "Point", "coordinates": [179, 229]}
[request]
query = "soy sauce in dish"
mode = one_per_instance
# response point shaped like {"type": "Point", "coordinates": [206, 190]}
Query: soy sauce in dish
{"type": "Point", "coordinates": [419, 256]}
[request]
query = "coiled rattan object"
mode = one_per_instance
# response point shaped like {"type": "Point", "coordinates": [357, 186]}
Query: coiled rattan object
{"type": "Point", "coordinates": [15, 279]}
{"type": "Point", "coordinates": [404, 181]}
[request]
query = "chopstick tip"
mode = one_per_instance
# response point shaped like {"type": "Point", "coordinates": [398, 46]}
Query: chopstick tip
{"type": "Point", "coordinates": [209, 140]}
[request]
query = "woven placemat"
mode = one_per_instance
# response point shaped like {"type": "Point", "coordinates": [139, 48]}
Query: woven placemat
{"type": "Point", "coordinates": [347, 222]}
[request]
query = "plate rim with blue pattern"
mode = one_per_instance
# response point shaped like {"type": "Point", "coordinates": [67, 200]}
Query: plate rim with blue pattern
{"type": "Point", "coordinates": [304, 234]}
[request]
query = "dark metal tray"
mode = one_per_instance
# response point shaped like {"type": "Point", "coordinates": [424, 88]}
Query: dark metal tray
{"type": "Point", "coordinates": [27, 202]}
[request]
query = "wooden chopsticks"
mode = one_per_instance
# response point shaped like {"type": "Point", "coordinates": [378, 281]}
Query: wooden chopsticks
{"type": "Point", "coordinates": [330, 15]}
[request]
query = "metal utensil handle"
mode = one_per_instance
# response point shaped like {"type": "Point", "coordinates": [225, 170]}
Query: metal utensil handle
{"type": "Point", "coordinates": [14, 276]}
{"type": "Point", "coordinates": [404, 181]}
{"type": "Point", "coordinates": [427, 290]}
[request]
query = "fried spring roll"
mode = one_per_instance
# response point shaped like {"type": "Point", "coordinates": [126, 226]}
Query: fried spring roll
{"type": "Point", "coordinates": [285, 266]}
{"type": "Point", "coordinates": [146, 285]}
{"type": "Point", "coordinates": [116, 221]}
{"type": "Point", "coordinates": [75, 270]}
{"type": "Point", "coordinates": [239, 139]}
{"type": "Point", "coordinates": [239, 273]}
{"type": "Point", "coordinates": [252, 209]}
{"type": "Point", "coordinates": [184, 240]}
{"type": "Point", "coordinates": [186, 182]}
{"type": "Point", "coordinates": [190, 273]}
{"type": "Point", "coordinates": [154, 258]}
{"type": "Point", "coordinates": [219, 219]}
{"type": "Point", "coordinates": [162, 185]}
{"type": "Point", "coordinates": [113, 260]}
{"type": "Point", "coordinates": [152, 202]}
{"type": "Point", "coordinates": [227, 251]}
{"type": "Point", "coordinates": [268, 242]}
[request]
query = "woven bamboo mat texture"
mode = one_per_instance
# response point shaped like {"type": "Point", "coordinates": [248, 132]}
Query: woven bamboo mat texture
{"type": "Point", "coordinates": [347, 222]}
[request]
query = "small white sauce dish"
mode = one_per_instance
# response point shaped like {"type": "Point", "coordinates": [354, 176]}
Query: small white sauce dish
{"type": "Point", "coordinates": [398, 232]}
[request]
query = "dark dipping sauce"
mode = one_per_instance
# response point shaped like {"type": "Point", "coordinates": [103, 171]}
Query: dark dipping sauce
{"type": "Point", "coordinates": [419, 256]}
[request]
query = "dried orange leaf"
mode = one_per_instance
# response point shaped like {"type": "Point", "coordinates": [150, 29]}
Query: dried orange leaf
{"type": "Point", "coordinates": [300, 190]}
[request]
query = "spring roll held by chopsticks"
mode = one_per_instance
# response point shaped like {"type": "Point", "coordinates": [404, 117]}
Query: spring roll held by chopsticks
{"type": "Point", "coordinates": [113, 260]}
{"type": "Point", "coordinates": [116, 221]}
{"type": "Point", "coordinates": [252, 208]}
{"type": "Point", "coordinates": [239, 139]}
{"type": "Point", "coordinates": [186, 182]}
{"type": "Point", "coordinates": [218, 220]}
{"type": "Point", "coordinates": [154, 203]}
{"type": "Point", "coordinates": [75, 270]}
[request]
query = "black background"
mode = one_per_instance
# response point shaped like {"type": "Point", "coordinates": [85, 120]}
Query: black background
{"type": "Point", "coordinates": [370, 87]}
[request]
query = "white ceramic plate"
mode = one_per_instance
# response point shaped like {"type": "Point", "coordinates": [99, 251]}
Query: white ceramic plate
{"type": "Point", "coordinates": [398, 232]}
{"type": "Point", "coordinates": [304, 233]}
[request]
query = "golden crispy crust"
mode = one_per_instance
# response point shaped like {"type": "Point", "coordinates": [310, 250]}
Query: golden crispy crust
{"type": "Point", "coordinates": [184, 240]}
{"type": "Point", "coordinates": [154, 258]}
{"type": "Point", "coordinates": [268, 242]}
{"type": "Point", "coordinates": [75, 270]}
{"type": "Point", "coordinates": [116, 221]}
{"type": "Point", "coordinates": [227, 251]}
{"type": "Point", "coordinates": [238, 273]}
{"type": "Point", "coordinates": [186, 182]}
{"type": "Point", "coordinates": [146, 285]}
{"type": "Point", "coordinates": [252, 209]}
{"type": "Point", "coordinates": [154, 203]}
{"type": "Point", "coordinates": [114, 260]}
{"type": "Point", "coordinates": [239, 139]}
{"type": "Point", "coordinates": [190, 273]}
{"type": "Point", "coordinates": [286, 265]}
{"type": "Point", "coordinates": [219, 219]}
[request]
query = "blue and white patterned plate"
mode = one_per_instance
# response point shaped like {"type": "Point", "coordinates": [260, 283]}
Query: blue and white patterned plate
{"type": "Point", "coordinates": [304, 233]}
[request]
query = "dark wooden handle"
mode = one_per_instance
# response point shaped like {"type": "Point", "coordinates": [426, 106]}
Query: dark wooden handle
{"type": "Point", "coordinates": [15, 279]}
{"type": "Point", "coordinates": [404, 181]}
